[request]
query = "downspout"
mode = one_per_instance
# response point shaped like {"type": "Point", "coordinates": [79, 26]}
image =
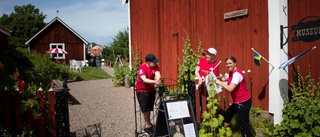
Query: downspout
{"type": "Point", "coordinates": [129, 26]}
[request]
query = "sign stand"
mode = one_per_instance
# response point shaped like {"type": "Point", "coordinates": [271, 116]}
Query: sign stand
{"type": "Point", "coordinates": [176, 116]}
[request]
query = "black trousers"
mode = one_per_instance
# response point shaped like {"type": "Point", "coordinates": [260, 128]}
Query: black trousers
{"type": "Point", "coordinates": [243, 110]}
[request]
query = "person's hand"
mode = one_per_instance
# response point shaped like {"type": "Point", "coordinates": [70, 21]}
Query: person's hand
{"type": "Point", "coordinates": [217, 81]}
{"type": "Point", "coordinates": [200, 81]}
{"type": "Point", "coordinates": [157, 83]}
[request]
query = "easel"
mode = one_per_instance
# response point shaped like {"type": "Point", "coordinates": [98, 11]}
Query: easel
{"type": "Point", "coordinates": [119, 58]}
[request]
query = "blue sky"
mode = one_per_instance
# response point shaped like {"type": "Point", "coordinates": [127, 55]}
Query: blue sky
{"type": "Point", "coordinates": [95, 20]}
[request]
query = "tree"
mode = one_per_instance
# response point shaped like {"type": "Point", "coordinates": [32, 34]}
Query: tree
{"type": "Point", "coordinates": [119, 46]}
{"type": "Point", "coordinates": [24, 23]}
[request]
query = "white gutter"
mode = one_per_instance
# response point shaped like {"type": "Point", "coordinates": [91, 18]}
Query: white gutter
{"type": "Point", "coordinates": [130, 47]}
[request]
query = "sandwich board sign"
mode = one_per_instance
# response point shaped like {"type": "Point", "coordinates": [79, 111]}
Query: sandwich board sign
{"type": "Point", "coordinates": [176, 117]}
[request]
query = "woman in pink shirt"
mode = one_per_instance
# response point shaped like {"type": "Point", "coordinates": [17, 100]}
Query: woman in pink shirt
{"type": "Point", "coordinates": [236, 85]}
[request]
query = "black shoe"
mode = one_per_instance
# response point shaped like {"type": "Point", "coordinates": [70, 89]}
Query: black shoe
{"type": "Point", "coordinates": [149, 130]}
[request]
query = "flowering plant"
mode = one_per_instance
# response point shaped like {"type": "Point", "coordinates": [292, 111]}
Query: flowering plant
{"type": "Point", "coordinates": [20, 84]}
{"type": "Point", "coordinates": [1, 65]}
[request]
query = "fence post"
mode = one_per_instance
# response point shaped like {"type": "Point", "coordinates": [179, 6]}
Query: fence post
{"type": "Point", "coordinates": [18, 112]}
{"type": "Point", "coordinates": [52, 116]}
{"type": "Point", "coordinates": [41, 121]}
{"type": "Point", "coordinates": [7, 108]}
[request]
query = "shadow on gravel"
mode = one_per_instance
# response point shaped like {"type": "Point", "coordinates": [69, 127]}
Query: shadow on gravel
{"type": "Point", "coordinates": [89, 131]}
{"type": "Point", "coordinates": [72, 100]}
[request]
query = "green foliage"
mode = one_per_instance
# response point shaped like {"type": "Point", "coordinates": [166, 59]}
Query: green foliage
{"type": "Point", "coordinates": [135, 67]}
{"type": "Point", "coordinates": [187, 65]}
{"type": "Point", "coordinates": [31, 100]}
{"type": "Point", "coordinates": [43, 70]}
{"type": "Point", "coordinates": [212, 123]}
{"type": "Point", "coordinates": [119, 75]}
{"type": "Point", "coordinates": [301, 115]}
{"type": "Point", "coordinates": [256, 121]}
{"type": "Point", "coordinates": [25, 133]}
{"type": "Point", "coordinates": [121, 72]}
{"type": "Point", "coordinates": [119, 46]}
{"type": "Point", "coordinates": [24, 22]}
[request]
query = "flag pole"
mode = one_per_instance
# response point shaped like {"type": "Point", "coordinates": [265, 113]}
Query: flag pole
{"type": "Point", "coordinates": [263, 57]}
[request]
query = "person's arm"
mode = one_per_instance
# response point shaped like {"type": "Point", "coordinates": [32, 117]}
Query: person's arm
{"type": "Point", "coordinates": [236, 79]}
{"type": "Point", "coordinates": [157, 78]}
{"type": "Point", "coordinates": [146, 80]}
{"type": "Point", "coordinates": [229, 87]}
{"type": "Point", "coordinates": [197, 72]}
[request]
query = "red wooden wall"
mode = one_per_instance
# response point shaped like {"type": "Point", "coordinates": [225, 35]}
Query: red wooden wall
{"type": "Point", "coordinates": [58, 33]}
{"type": "Point", "coordinates": [3, 42]}
{"type": "Point", "coordinates": [16, 121]}
{"type": "Point", "coordinates": [299, 9]}
{"type": "Point", "coordinates": [157, 26]}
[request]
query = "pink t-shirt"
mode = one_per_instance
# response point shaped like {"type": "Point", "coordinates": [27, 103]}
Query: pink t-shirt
{"type": "Point", "coordinates": [149, 72]}
{"type": "Point", "coordinates": [206, 66]}
{"type": "Point", "coordinates": [241, 92]}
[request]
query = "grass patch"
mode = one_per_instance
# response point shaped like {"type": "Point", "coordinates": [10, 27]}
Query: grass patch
{"type": "Point", "coordinates": [93, 73]}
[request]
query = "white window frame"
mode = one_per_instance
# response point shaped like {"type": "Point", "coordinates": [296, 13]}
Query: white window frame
{"type": "Point", "coordinates": [59, 45]}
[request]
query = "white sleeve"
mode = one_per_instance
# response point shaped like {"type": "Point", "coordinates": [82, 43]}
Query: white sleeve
{"type": "Point", "coordinates": [236, 78]}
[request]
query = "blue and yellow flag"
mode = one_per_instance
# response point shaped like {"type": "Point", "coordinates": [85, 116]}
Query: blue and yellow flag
{"type": "Point", "coordinates": [257, 58]}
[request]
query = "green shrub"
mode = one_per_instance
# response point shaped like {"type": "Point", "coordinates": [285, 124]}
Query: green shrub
{"type": "Point", "coordinates": [119, 75]}
{"type": "Point", "coordinates": [187, 65]}
{"type": "Point", "coordinates": [212, 123]}
{"type": "Point", "coordinates": [301, 115]}
{"type": "Point", "coordinates": [24, 72]}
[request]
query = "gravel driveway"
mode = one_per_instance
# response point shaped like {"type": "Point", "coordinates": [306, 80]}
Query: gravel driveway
{"type": "Point", "coordinates": [101, 110]}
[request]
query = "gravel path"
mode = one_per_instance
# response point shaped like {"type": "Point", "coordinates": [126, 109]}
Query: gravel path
{"type": "Point", "coordinates": [100, 109]}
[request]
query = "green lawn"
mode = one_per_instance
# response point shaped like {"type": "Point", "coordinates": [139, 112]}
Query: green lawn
{"type": "Point", "coordinates": [93, 73]}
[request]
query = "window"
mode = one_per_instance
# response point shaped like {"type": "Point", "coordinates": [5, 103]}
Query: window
{"type": "Point", "coordinates": [57, 55]}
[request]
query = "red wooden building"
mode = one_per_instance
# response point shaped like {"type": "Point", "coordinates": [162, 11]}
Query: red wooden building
{"type": "Point", "coordinates": [233, 27]}
{"type": "Point", "coordinates": [58, 34]}
{"type": "Point", "coordinates": [4, 34]}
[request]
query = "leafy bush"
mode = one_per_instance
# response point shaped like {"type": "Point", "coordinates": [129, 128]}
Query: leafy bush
{"type": "Point", "coordinates": [23, 72]}
{"type": "Point", "coordinates": [121, 71]}
{"type": "Point", "coordinates": [119, 75]}
{"type": "Point", "coordinates": [301, 115]}
{"type": "Point", "coordinates": [212, 123]}
{"type": "Point", "coordinates": [187, 65]}
{"type": "Point", "coordinates": [135, 67]}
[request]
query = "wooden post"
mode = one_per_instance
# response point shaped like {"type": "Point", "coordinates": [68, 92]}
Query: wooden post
{"type": "Point", "coordinates": [52, 116]}
{"type": "Point", "coordinates": [18, 112]}
{"type": "Point", "coordinates": [203, 93]}
{"type": "Point", "coordinates": [7, 108]}
{"type": "Point", "coordinates": [41, 124]}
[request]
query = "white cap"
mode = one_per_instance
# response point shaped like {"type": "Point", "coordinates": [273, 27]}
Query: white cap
{"type": "Point", "coordinates": [212, 51]}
